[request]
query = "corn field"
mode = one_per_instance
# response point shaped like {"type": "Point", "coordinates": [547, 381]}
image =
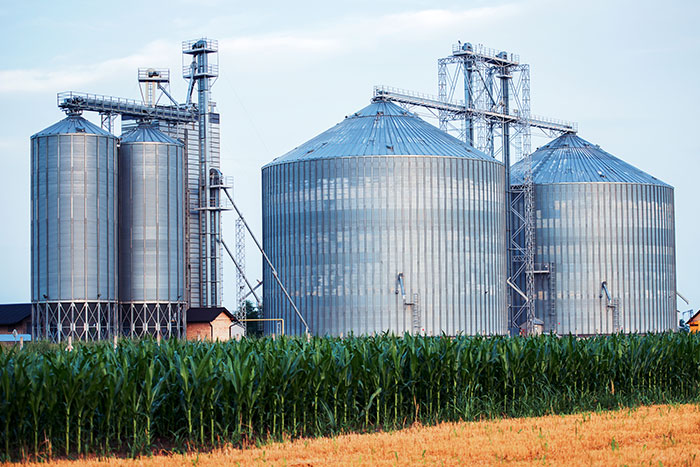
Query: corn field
{"type": "Point", "coordinates": [193, 395]}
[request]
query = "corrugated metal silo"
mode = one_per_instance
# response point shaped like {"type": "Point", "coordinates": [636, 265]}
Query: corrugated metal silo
{"type": "Point", "coordinates": [74, 231]}
{"type": "Point", "coordinates": [151, 233]}
{"type": "Point", "coordinates": [606, 231]}
{"type": "Point", "coordinates": [380, 204]}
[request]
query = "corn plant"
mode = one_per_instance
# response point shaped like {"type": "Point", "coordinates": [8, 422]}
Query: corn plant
{"type": "Point", "coordinates": [144, 394]}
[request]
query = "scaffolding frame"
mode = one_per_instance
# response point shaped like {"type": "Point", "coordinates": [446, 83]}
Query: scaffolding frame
{"type": "Point", "coordinates": [497, 86]}
{"type": "Point", "coordinates": [164, 319]}
{"type": "Point", "coordinates": [494, 117]}
{"type": "Point", "coordinates": [80, 320]}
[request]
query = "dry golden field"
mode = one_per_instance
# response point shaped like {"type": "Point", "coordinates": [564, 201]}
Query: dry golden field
{"type": "Point", "coordinates": [656, 435]}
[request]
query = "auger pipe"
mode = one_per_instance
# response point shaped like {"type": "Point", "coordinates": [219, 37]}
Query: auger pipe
{"type": "Point", "coordinates": [267, 260]}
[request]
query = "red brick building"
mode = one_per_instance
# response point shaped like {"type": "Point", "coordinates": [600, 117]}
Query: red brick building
{"type": "Point", "coordinates": [212, 324]}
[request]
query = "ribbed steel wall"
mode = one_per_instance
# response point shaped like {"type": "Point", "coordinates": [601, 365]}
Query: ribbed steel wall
{"type": "Point", "coordinates": [188, 133]}
{"type": "Point", "coordinates": [74, 231]}
{"type": "Point", "coordinates": [620, 233]}
{"type": "Point", "coordinates": [339, 230]}
{"type": "Point", "coordinates": [74, 213]}
{"type": "Point", "coordinates": [600, 219]}
{"type": "Point", "coordinates": [151, 222]}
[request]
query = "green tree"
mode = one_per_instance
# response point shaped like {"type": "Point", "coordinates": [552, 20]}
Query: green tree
{"type": "Point", "coordinates": [253, 328]}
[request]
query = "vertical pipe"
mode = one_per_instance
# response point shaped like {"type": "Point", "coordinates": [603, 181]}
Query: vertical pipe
{"type": "Point", "coordinates": [506, 162]}
{"type": "Point", "coordinates": [206, 281]}
{"type": "Point", "coordinates": [469, 101]}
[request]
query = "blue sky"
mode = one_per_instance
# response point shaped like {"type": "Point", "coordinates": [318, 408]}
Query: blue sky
{"type": "Point", "coordinates": [626, 71]}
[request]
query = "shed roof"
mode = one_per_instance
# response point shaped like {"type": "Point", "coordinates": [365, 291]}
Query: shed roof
{"type": "Point", "coordinates": [207, 315]}
{"type": "Point", "coordinates": [382, 129]}
{"type": "Point", "coordinates": [14, 313]}
{"type": "Point", "coordinates": [571, 159]}
{"type": "Point", "coordinates": [695, 318]}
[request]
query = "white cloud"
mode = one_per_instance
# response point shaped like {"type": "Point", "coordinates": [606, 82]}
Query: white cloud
{"type": "Point", "coordinates": [363, 32]}
{"type": "Point", "coordinates": [39, 80]}
{"type": "Point", "coordinates": [431, 20]}
{"type": "Point", "coordinates": [300, 46]}
{"type": "Point", "coordinates": [282, 43]}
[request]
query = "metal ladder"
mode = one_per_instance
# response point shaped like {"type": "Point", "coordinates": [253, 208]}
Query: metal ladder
{"type": "Point", "coordinates": [615, 305]}
{"type": "Point", "coordinates": [414, 305]}
{"type": "Point", "coordinates": [416, 314]}
{"type": "Point", "coordinates": [552, 302]}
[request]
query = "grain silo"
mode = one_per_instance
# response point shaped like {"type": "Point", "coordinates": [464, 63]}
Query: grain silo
{"type": "Point", "coordinates": [74, 231]}
{"type": "Point", "coordinates": [151, 233]}
{"type": "Point", "coordinates": [385, 223]}
{"type": "Point", "coordinates": [605, 231]}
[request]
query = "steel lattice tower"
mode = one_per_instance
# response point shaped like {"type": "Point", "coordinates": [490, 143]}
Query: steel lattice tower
{"type": "Point", "coordinates": [239, 252]}
{"type": "Point", "coordinates": [497, 121]}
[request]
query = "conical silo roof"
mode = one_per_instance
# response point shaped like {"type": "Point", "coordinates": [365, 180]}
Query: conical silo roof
{"type": "Point", "coordinates": [148, 133]}
{"type": "Point", "coordinates": [71, 125]}
{"type": "Point", "coordinates": [382, 129]}
{"type": "Point", "coordinates": [572, 159]}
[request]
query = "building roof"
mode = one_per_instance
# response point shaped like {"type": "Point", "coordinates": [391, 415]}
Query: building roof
{"type": "Point", "coordinates": [695, 318]}
{"type": "Point", "coordinates": [571, 159]}
{"type": "Point", "coordinates": [382, 129]}
{"type": "Point", "coordinates": [14, 313]}
{"type": "Point", "coordinates": [71, 125]}
{"type": "Point", "coordinates": [207, 315]}
{"type": "Point", "coordinates": [148, 133]}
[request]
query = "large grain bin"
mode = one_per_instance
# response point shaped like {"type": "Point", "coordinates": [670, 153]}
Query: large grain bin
{"type": "Point", "coordinates": [151, 233]}
{"type": "Point", "coordinates": [605, 230]}
{"type": "Point", "coordinates": [74, 231]}
{"type": "Point", "coordinates": [385, 223]}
